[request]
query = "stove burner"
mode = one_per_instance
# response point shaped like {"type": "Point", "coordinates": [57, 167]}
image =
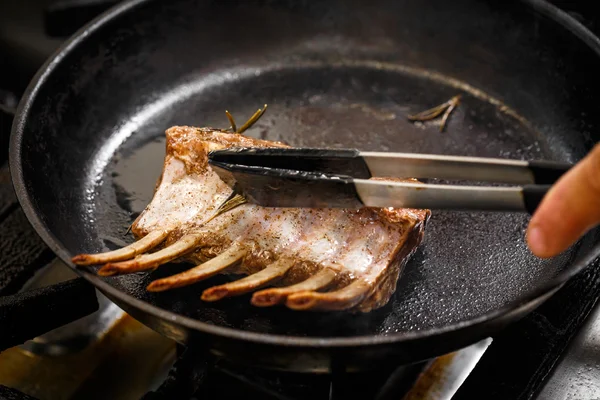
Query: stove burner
{"type": "Point", "coordinates": [185, 377]}
{"type": "Point", "coordinates": [197, 374]}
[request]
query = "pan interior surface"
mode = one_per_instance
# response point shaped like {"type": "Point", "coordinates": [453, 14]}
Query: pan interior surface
{"type": "Point", "coordinates": [101, 138]}
{"type": "Point", "coordinates": [470, 263]}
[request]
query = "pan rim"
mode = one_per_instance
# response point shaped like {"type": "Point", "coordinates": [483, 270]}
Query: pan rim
{"type": "Point", "coordinates": [20, 120]}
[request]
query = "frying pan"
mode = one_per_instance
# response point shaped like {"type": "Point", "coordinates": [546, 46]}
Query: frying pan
{"type": "Point", "coordinates": [87, 147]}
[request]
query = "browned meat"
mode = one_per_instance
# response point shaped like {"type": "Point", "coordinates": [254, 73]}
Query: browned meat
{"type": "Point", "coordinates": [307, 259]}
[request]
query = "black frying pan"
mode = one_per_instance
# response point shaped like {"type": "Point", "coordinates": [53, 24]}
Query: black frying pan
{"type": "Point", "coordinates": [88, 144]}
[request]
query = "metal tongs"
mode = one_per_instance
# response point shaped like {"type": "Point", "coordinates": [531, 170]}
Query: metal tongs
{"type": "Point", "coordinates": [313, 177]}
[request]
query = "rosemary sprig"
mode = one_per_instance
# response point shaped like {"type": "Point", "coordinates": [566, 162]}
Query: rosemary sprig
{"type": "Point", "coordinates": [231, 121]}
{"type": "Point", "coordinates": [435, 112]}
{"type": "Point", "coordinates": [251, 121]}
{"type": "Point", "coordinates": [255, 117]}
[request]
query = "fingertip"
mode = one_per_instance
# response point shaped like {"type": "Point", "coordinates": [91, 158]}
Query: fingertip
{"type": "Point", "coordinates": [538, 242]}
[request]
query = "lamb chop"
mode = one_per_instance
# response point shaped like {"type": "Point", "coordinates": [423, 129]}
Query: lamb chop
{"type": "Point", "coordinates": [306, 259]}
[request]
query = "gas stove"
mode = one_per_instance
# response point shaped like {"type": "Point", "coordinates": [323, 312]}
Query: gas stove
{"type": "Point", "coordinates": [61, 339]}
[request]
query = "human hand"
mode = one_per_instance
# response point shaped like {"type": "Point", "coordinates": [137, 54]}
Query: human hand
{"type": "Point", "coordinates": [569, 210]}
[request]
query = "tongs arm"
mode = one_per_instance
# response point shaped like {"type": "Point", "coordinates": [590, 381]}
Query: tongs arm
{"type": "Point", "coordinates": [342, 178]}
{"type": "Point", "coordinates": [364, 165]}
{"type": "Point", "coordinates": [464, 168]}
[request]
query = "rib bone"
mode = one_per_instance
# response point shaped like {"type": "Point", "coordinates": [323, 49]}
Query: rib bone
{"type": "Point", "coordinates": [269, 274]}
{"type": "Point", "coordinates": [149, 261]}
{"type": "Point", "coordinates": [273, 296]}
{"type": "Point", "coordinates": [200, 272]}
{"type": "Point", "coordinates": [340, 299]}
{"type": "Point", "coordinates": [146, 243]}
